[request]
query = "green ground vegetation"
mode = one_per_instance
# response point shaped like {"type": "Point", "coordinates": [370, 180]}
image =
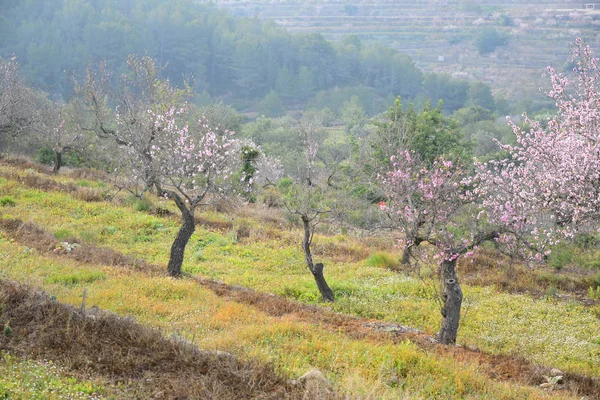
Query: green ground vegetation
{"type": "Point", "coordinates": [565, 335]}
{"type": "Point", "coordinates": [41, 380]}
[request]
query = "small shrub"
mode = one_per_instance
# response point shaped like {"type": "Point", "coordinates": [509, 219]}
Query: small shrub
{"type": "Point", "coordinates": [243, 231]}
{"type": "Point", "coordinates": [587, 241]}
{"type": "Point", "coordinates": [383, 260]}
{"type": "Point", "coordinates": [271, 197]}
{"type": "Point", "coordinates": [63, 234]}
{"type": "Point", "coordinates": [427, 272]}
{"type": "Point", "coordinates": [553, 279]}
{"type": "Point", "coordinates": [211, 238]}
{"type": "Point", "coordinates": [590, 260]}
{"type": "Point", "coordinates": [285, 183]}
{"type": "Point", "coordinates": [594, 294]}
{"type": "Point", "coordinates": [142, 239]}
{"type": "Point", "coordinates": [108, 230]}
{"type": "Point", "coordinates": [8, 331]}
{"type": "Point", "coordinates": [301, 294]}
{"type": "Point", "coordinates": [551, 292]}
{"type": "Point", "coordinates": [226, 205]}
{"type": "Point", "coordinates": [142, 204]}
{"type": "Point", "coordinates": [7, 201]}
{"type": "Point", "coordinates": [561, 257]}
{"type": "Point", "coordinates": [154, 226]}
{"type": "Point", "coordinates": [232, 236]}
{"type": "Point", "coordinates": [45, 156]}
{"type": "Point", "coordinates": [162, 211]}
{"type": "Point", "coordinates": [90, 194]}
{"type": "Point", "coordinates": [345, 290]}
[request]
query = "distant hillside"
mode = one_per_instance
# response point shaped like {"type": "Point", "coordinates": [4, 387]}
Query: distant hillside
{"type": "Point", "coordinates": [247, 62]}
{"type": "Point", "coordinates": [443, 35]}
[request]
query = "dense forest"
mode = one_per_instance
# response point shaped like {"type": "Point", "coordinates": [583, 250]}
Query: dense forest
{"type": "Point", "coordinates": [251, 64]}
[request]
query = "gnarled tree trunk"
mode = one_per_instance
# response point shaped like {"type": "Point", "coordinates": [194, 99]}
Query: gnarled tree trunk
{"type": "Point", "coordinates": [452, 303]}
{"type": "Point", "coordinates": [57, 161]}
{"type": "Point", "coordinates": [324, 288]}
{"type": "Point", "coordinates": [315, 269]}
{"type": "Point", "coordinates": [183, 236]}
{"type": "Point", "coordinates": [415, 241]}
{"type": "Point", "coordinates": [406, 255]}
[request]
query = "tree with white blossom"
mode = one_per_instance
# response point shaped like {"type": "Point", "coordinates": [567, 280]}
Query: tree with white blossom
{"type": "Point", "coordinates": [191, 167]}
{"type": "Point", "coordinates": [123, 116]}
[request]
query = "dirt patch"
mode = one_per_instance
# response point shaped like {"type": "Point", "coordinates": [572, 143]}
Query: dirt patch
{"type": "Point", "coordinates": [498, 367]}
{"type": "Point", "coordinates": [121, 351]}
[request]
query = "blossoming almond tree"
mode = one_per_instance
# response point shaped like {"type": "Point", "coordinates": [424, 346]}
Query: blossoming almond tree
{"type": "Point", "coordinates": [419, 197]}
{"type": "Point", "coordinates": [433, 204]}
{"type": "Point", "coordinates": [547, 189]}
{"type": "Point", "coordinates": [549, 186]}
{"type": "Point", "coordinates": [192, 168]}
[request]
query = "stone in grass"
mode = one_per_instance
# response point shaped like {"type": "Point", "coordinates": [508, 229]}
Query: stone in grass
{"type": "Point", "coordinates": [315, 384]}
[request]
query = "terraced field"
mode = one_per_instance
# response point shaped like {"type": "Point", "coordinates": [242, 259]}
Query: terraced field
{"type": "Point", "coordinates": [439, 35]}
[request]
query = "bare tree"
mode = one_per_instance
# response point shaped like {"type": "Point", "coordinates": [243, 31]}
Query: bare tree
{"type": "Point", "coordinates": [19, 104]}
{"type": "Point", "coordinates": [307, 196]}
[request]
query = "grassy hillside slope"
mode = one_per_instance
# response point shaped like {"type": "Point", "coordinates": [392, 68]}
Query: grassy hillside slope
{"type": "Point", "coordinates": [364, 358]}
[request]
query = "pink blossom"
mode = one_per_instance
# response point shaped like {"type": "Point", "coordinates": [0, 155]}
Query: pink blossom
{"type": "Point", "coordinates": [548, 188]}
